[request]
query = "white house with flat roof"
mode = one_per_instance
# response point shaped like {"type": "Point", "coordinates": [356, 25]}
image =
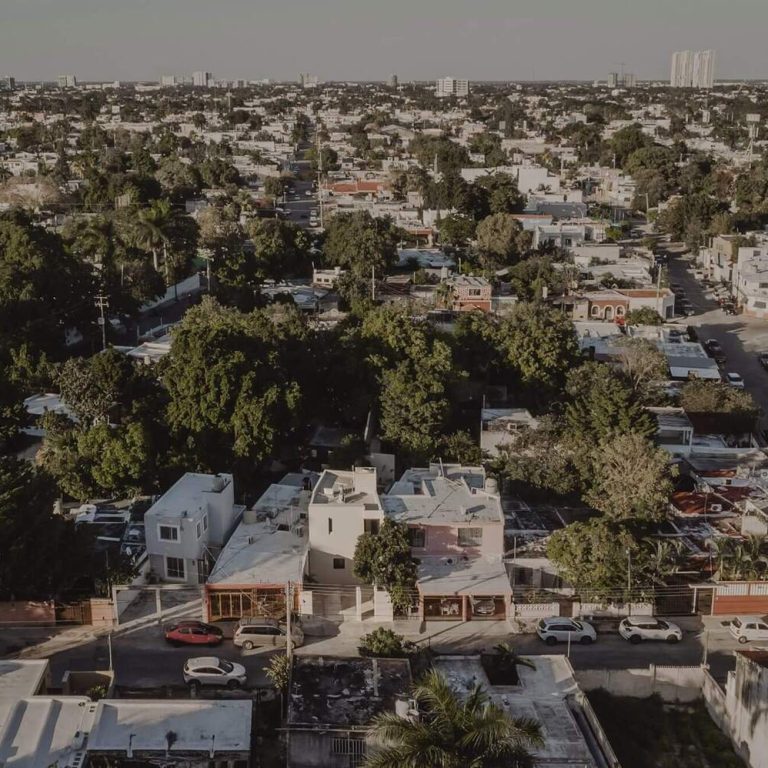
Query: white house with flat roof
{"type": "Point", "coordinates": [43, 731]}
{"type": "Point", "coordinates": [343, 506]}
{"type": "Point", "coordinates": [193, 734]}
{"type": "Point", "coordinates": [188, 525]}
{"type": "Point", "coordinates": [266, 553]}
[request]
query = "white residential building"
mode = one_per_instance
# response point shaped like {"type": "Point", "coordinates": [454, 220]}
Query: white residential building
{"type": "Point", "coordinates": [692, 69]}
{"type": "Point", "coordinates": [188, 525]}
{"type": "Point", "coordinates": [202, 79]}
{"type": "Point", "coordinates": [67, 81]}
{"type": "Point", "coordinates": [451, 86]}
{"type": "Point", "coordinates": [344, 505]}
{"type": "Point", "coordinates": [750, 281]}
{"type": "Point", "coordinates": [168, 81]}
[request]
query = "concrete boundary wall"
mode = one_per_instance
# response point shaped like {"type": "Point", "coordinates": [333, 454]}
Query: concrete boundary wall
{"type": "Point", "coordinates": [672, 684]}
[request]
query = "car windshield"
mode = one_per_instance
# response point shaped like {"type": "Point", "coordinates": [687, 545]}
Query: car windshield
{"type": "Point", "coordinates": [736, 623]}
{"type": "Point", "coordinates": [227, 666]}
{"type": "Point", "coordinates": [578, 625]}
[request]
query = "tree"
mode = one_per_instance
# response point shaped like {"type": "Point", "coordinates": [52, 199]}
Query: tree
{"type": "Point", "coordinates": [280, 249]}
{"type": "Point", "coordinates": [642, 363]}
{"type": "Point", "coordinates": [632, 479]}
{"type": "Point", "coordinates": [35, 566]}
{"type": "Point", "coordinates": [93, 387]}
{"type": "Point", "coordinates": [595, 557]}
{"type": "Point", "coordinates": [538, 461]}
{"type": "Point", "coordinates": [602, 406]}
{"type": "Point", "coordinates": [278, 672]}
{"type": "Point", "coordinates": [539, 347]}
{"type": "Point", "coordinates": [453, 730]}
{"type": "Point", "coordinates": [150, 229]}
{"type": "Point", "coordinates": [360, 243]}
{"type": "Point", "coordinates": [44, 289]}
{"type": "Point", "coordinates": [456, 230]}
{"type": "Point", "coordinates": [178, 180]}
{"type": "Point", "coordinates": [460, 447]}
{"type": "Point", "coordinates": [414, 402]}
{"type": "Point", "coordinates": [231, 381]}
{"type": "Point", "coordinates": [643, 316]}
{"type": "Point", "coordinates": [718, 407]}
{"type": "Point", "coordinates": [383, 643]}
{"type": "Point", "coordinates": [503, 194]}
{"type": "Point", "coordinates": [384, 560]}
{"type": "Point", "coordinates": [501, 239]}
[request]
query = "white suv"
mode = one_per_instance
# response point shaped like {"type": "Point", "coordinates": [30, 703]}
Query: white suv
{"type": "Point", "coordinates": [746, 628]}
{"type": "Point", "coordinates": [211, 670]}
{"type": "Point", "coordinates": [556, 630]}
{"type": "Point", "coordinates": [639, 628]}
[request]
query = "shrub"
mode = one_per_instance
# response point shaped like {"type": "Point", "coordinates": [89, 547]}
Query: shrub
{"type": "Point", "coordinates": [385, 644]}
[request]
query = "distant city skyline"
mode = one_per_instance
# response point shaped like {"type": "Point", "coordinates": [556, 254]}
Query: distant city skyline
{"type": "Point", "coordinates": [361, 40]}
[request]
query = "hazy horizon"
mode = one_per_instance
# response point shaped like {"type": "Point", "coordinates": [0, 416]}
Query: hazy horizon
{"type": "Point", "coordinates": [356, 40]}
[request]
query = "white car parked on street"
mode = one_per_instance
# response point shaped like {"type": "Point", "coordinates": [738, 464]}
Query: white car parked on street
{"type": "Point", "coordinates": [747, 628]}
{"type": "Point", "coordinates": [639, 628]}
{"type": "Point", "coordinates": [557, 630]}
{"type": "Point", "coordinates": [211, 670]}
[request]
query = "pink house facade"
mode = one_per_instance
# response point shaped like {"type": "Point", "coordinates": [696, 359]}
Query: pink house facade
{"type": "Point", "coordinates": [456, 528]}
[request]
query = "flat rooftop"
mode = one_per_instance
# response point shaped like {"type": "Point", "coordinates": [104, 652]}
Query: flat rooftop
{"type": "Point", "coordinates": [19, 679]}
{"type": "Point", "coordinates": [46, 731]}
{"type": "Point", "coordinates": [451, 494]}
{"type": "Point", "coordinates": [342, 487]}
{"type": "Point", "coordinates": [462, 576]}
{"type": "Point", "coordinates": [327, 690]}
{"type": "Point", "coordinates": [187, 494]}
{"type": "Point", "coordinates": [260, 553]}
{"type": "Point", "coordinates": [544, 696]}
{"type": "Point", "coordinates": [193, 726]}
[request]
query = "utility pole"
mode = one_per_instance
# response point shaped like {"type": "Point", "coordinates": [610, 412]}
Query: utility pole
{"type": "Point", "coordinates": [373, 283]}
{"type": "Point", "coordinates": [102, 303]}
{"type": "Point", "coordinates": [658, 289]}
{"type": "Point", "coordinates": [288, 612]}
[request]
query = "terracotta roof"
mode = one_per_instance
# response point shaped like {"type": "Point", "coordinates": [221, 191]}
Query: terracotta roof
{"type": "Point", "coordinates": [686, 503]}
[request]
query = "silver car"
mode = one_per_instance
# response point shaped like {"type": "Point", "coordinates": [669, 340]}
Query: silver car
{"type": "Point", "coordinates": [211, 670]}
{"type": "Point", "coordinates": [639, 628]}
{"type": "Point", "coordinates": [559, 630]}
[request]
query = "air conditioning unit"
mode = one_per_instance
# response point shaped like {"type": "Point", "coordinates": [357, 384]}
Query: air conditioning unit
{"type": "Point", "coordinates": [715, 507]}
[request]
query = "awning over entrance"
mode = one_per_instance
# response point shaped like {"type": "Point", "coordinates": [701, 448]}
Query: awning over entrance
{"type": "Point", "coordinates": [475, 576]}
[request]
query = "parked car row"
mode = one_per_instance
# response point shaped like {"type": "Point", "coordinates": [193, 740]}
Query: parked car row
{"type": "Point", "coordinates": [634, 629]}
{"type": "Point", "coordinates": [249, 633]}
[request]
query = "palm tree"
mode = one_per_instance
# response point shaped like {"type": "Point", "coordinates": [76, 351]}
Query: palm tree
{"type": "Point", "coordinates": [151, 227]}
{"type": "Point", "coordinates": [509, 657]}
{"type": "Point", "coordinates": [452, 732]}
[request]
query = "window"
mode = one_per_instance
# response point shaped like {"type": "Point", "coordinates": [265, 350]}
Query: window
{"type": "Point", "coordinates": [371, 526]}
{"type": "Point", "coordinates": [474, 292]}
{"type": "Point", "coordinates": [199, 530]}
{"type": "Point", "coordinates": [205, 522]}
{"type": "Point", "coordinates": [470, 537]}
{"type": "Point", "coordinates": [330, 525]}
{"type": "Point", "coordinates": [168, 532]}
{"type": "Point", "coordinates": [339, 564]}
{"type": "Point", "coordinates": [174, 568]}
{"type": "Point", "coordinates": [417, 537]}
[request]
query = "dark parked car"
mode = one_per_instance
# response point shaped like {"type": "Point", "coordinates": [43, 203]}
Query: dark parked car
{"type": "Point", "coordinates": [763, 359]}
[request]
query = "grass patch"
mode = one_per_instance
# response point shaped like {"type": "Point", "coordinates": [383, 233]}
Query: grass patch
{"type": "Point", "coordinates": [647, 733]}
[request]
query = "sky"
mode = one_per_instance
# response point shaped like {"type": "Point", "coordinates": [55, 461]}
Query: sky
{"type": "Point", "coordinates": [371, 39]}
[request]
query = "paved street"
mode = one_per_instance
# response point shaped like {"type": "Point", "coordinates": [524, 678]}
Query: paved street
{"type": "Point", "coordinates": [741, 338]}
{"type": "Point", "coordinates": [142, 659]}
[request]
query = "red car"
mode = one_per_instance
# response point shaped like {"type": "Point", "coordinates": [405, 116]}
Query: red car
{"type": "Point", "coordinates": [193, 633]}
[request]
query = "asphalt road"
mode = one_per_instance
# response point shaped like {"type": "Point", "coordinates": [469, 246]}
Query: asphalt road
{"type": "Point", "coordinates": [298, 207]}
{"type": "Point", "coordinates": [742, 338]}
{"type": "Point", "coordinates": [142, 659]}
